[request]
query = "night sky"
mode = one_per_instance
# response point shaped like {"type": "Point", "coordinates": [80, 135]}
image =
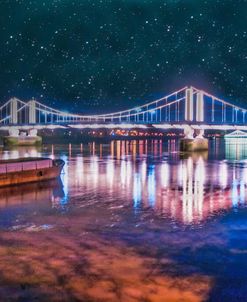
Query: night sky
{"type": "Point", "coordinates": [98, 56]}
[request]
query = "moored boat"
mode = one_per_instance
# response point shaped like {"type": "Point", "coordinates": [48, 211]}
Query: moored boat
{"type": "Point", "coordinates": [25, 170]}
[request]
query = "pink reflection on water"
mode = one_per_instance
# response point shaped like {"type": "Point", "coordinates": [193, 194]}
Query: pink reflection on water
{"type": "Point", "coordinates": [188, 190]}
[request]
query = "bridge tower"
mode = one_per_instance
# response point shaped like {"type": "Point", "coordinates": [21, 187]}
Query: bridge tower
{"type": "Point", "coordinates": [189, 104]}
{"type": "Point", "coordinates": [199, 106]}
{"type": "Point", "coordinates": [193, 141]}
{"type": "Point", "coordinates": [13, 111]}
{"type": "Point", "coordinates": [32, 112]}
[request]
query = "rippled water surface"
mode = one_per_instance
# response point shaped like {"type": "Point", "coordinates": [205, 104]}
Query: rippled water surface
{"type": "Point", "coordinates": [128, 221]}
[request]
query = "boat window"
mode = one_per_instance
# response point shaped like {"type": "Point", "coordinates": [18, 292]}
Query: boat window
{"type": "Point", "coordinates": [44, 164]}
{"type": "Point", "coordinates": [31, 165]}
{"type": "Point", "coordinates": [2, 168]}
{"type": "Point", "coordinates": [13, 167]}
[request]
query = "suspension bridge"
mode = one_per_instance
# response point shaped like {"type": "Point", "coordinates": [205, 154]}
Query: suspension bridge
{"type": "Point", "coordinates": [189, 109]}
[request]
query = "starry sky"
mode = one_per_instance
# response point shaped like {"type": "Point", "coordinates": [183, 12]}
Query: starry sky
{"type": "Point", "coordinates": [100, 56]}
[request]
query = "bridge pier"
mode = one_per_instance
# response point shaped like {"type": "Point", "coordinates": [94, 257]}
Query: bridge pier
{"type": "Point", "coordinates": [18, 137]}
{"type": "Point", "coordinates": [191, 143]}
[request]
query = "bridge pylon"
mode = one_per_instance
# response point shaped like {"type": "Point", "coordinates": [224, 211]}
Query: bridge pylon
{"type": "Point", "coordinates": [189, 104]}
{"type": "Point", "coordinates": [32, 112]}
{"type": "Point", "coordinates": [13, 111]}
{"type": "Point", "coordinates": [190, 115]}
{"type": "Point", "coordinates": [199, 106]}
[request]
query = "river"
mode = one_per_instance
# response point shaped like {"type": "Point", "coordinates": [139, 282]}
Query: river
{"type": "Point", "coordinates": [128, 221]}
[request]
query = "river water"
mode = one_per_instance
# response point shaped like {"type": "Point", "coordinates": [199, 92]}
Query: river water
{"type": "Point", "coordinates": [128, 221]}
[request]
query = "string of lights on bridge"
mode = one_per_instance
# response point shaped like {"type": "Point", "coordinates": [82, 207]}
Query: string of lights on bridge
{"type": "Point", "coordinates": [184, 106]}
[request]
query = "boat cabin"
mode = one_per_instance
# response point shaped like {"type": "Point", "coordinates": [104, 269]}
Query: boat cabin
{"type": "Point", "coordinates": [24, 164]}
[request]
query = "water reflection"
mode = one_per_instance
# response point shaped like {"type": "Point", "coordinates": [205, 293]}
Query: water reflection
{"type": "Point", "coordinates": [121, 213]}
{"type": "Point", "coordinates": [17, 199]}
{"type": "Point", "coordinates": [187, 188]}
{"type": "Point", "coordinates": [236, 148]}
{"type": "Point", "coordinates": [17, 152]}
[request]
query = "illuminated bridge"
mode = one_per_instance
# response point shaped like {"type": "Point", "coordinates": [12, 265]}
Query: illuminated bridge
{"type": "Point", "coordinates": [188, 108]}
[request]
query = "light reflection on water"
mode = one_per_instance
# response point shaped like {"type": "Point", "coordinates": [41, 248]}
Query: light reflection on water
{"type": "Point", "coordinates": [187, 190]}
{"type": "Point", "coordinates": [150, 175]}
